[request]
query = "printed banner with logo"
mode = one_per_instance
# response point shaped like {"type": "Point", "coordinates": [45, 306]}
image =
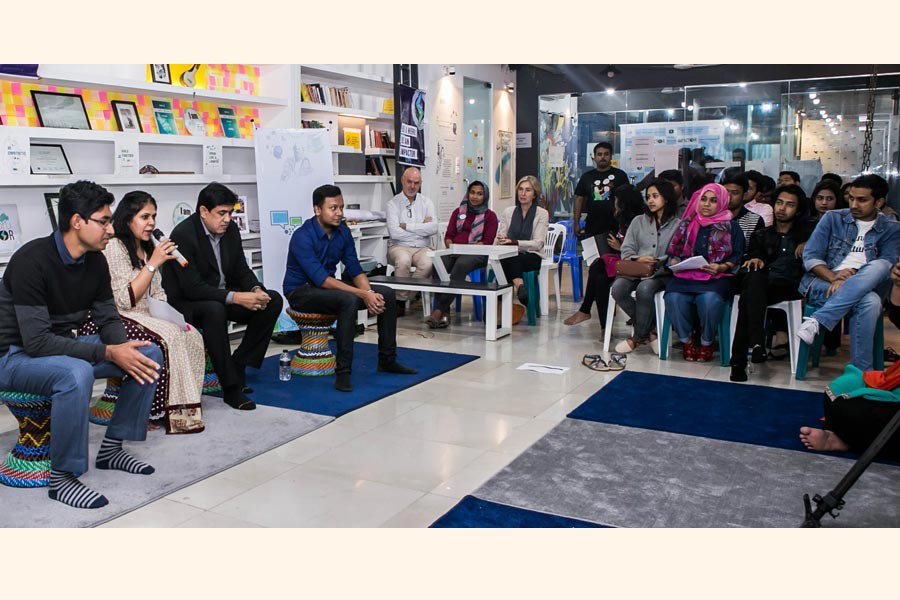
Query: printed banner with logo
{"type": "Point", "coordinates": [411, 149]}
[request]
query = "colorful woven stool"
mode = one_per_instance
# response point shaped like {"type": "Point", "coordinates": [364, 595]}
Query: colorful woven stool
{"type": "Point", "coordinates": [102, 409]}
{"type": "Point", "coordinates": [28, 463]}
{"type": "Point", "coordinates": [314, 358]}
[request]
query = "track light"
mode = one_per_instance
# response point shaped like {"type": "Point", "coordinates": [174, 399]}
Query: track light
{"type": "Point", "coordinates": [511, 88]}
{"type": "Point", "coordinates": [449, 70]}
{"type": "Point", "coordinates": [611, 71]}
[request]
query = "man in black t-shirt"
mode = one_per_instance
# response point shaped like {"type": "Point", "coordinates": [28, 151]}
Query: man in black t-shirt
{"type": "Point", "coordinates": [593, 194]}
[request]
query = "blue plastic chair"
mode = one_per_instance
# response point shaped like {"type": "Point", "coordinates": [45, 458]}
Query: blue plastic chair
{"type": "Point", "coordinates": [724, 332]}
{"type": "Point", "coordinates": [804, 353]}
{"type": "Point", "coordinates": [570, 256]}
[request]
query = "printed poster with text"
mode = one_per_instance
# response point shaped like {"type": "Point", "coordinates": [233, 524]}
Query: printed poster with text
{"type": "Point", "coordinates": [411, 150]}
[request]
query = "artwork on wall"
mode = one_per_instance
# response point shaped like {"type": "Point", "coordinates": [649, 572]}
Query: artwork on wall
{"type": "Point", "coordinates": [52, 200]}
{"type": "Point", "coordinates": [126, 115]}
{"type": "Point", "coordinates": [49, 159]}
{"type": "Point", "coordinates": [504, 169]}
{"type": "Point", "coordinates": [160, 74]}
{"type": "Point", "coordinates": [55, 109]}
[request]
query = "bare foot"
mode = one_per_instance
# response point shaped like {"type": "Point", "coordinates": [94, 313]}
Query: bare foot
{"type": "Point", "coordinates": [822, 439]}
{"type": "Point", "coordinates": [578, 317]}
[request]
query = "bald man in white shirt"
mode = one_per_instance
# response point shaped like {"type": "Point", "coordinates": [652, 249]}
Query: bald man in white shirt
{"type": "Point", "coordinates": [411, 224]}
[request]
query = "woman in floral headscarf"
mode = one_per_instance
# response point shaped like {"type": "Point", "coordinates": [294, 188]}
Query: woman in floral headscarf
{"type": "Point", "coordinates": [706, 230]}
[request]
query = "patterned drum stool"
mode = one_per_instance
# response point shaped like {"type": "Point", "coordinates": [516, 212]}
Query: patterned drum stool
{"type": "Point", "coordinates": [314, 358]}
{"type": "Point", "coordinates": [102, 409]}
{"type": "Point", "coordinates": [28, 464]}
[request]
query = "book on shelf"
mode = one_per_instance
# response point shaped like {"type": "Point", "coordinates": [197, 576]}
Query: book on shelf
{"type": "Point", "coordinates": [352, 138]}
{"type": "Point", "coordinates": [228, 119]}
{"type": "Point", "coordinates": [375, 165]}
{"type": "Point", "coordinates": [165, 117]}
{"type": "Point", "coordinates": [316, 93]}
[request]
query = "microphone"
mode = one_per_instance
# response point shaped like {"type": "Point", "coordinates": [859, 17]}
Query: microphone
{"type": "Point", "coordinates": [159, 235]}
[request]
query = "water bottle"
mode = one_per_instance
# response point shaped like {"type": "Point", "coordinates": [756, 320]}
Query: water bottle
{"type": "Point", "coordinates": [284, 366]}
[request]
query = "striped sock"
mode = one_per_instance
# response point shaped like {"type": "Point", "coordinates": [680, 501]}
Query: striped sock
{"type": "Point", "coordinates": [112, 456]}
{"type": "Point", "coordinates": [66, 488]}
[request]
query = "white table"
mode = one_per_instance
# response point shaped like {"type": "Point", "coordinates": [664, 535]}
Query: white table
{"type": "Point", "coordinates": [494, 255]}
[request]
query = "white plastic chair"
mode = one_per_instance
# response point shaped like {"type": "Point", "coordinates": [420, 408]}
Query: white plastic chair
{"type": "Point", "coordinates": [550, 263]}
{"type": "Point", "coordinates": [658, 304]}
{"type": "Point", "coordinates": [794, 311]}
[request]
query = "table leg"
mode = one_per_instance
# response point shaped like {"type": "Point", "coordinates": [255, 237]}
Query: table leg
{"type": "Point", "coordinates": [499, 275]}
{"type": "Point", "coordinates": [438, 264]}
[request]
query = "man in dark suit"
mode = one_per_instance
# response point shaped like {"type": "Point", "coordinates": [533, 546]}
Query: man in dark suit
{"type": "Point", "coordinates": [217, 286]}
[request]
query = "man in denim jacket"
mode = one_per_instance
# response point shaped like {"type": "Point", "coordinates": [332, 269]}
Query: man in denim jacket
{"type": "Point", "coordinates": [848, 260]}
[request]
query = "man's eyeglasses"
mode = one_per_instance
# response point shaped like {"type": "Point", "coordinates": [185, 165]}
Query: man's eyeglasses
{"type": "Point", "coordinates": [101, 222]}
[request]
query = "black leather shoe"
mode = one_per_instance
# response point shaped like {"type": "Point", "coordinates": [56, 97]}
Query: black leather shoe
{"type": "Point", "coordinates": [738, 373]}
{"type": "Point", "coordinates": [759, 355]}
{"type": "Point", "coordinates": [395, 367]}
{"type": "Point", "coordinates": [342, 382]}
{"type": "Point", "coordinates": [522, 295]}
{"type": "Point", "coordinates": [246, 390]}
{"type": "Point", "coordinates": [239, 401]}
{"type": "Point", "coordinates": [401, 308]}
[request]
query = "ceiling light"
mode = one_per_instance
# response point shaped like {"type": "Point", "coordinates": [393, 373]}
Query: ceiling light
{"type": "Point", "coordinates": [610, 91]}
{"type": "Point", "coordinates": [766, 106]}
{"type": "Point", "coordinates": [812, 95]}
{"type": "Point", "coordinates": [816, 100]}
{"type": "Point", "coordinates": [611, 71]}
{"type": "Point", "coordinates": [670, 112]}
{"type": "Point", "coordinates": [511, 88]}
{"type": "Point", "coordinates": [743, 84]}
{"type": "Point", "coordinates": [471, 100]}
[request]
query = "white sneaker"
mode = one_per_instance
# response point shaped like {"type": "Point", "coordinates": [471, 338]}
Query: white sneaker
{"type": "Point", "coordinates": [654, 345]}
{"type": "Point", "coordinates": [808, 330]}
{"type": "Point", "coordinates": [624, 347]}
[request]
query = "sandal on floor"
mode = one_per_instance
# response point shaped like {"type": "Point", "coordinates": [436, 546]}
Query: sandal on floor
{"type": "Point", "coordinates": [441, 323]}
{"type": "Point", "coordinates": [617, 361]}
{"type": "Point", "coordinates": [594, 362]}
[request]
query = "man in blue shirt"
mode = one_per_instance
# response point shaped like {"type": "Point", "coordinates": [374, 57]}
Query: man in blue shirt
{"type": "Point", "coordinates": [310, 285]}
{"type": "Point", "coordinates": [848, 260]}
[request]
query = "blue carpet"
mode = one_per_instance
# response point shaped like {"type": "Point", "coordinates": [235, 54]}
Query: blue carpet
{"type": "Point", "coordinates": [751, 414]}
{"type": "Point", "coordinates": [316, 394]}
{"type": "Point", "coordinates": [473, 512]}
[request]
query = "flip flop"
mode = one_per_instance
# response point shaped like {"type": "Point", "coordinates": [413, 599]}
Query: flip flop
{"type": "Point", "coordinates": [617, 361]}
{"type": "Point", "coordinates": [441, 323]}
{"type": "Point", "coordinates": [594, 362]}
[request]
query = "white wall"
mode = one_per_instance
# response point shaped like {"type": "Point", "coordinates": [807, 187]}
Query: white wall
{"type": "Point", "coordinates": [449, 90]}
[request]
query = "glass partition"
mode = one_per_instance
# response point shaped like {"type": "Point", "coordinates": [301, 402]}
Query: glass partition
{"type": "Point", "coordinates": [810, 126]}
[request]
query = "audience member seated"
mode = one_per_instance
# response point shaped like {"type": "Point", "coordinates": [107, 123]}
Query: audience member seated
{"type": "Point", "coordinates": [708, 230]}
{"type": "Point", "coordinates": [134, 266]}
{"type": "Point", "coordinates": [48, 288]}
{"type": "Point", "coordinates": [765, 190]}
{"type": "Point", "coordinates": [738, 186]}
{"type": "Point", "coordinates": [826, 196]}
{"type": "Point", "coordinates": [773, 271]}
{"type": "Point", "coordinates": [523, 225]}
{"type": "Point", "coordinates": [788, 178]}
{"type": "Point", "coordinates": [676, 178]}
{"type": "Point", "coordinates": [411, 223]}
{"type": "Point", "coordinates": [894, 300]}
{"type": "Point", "coordinates": [832, 177]}
{"type": "Point", "coordinates": [310, 285]}
{"type": "Point", "coordinates": [627, 205]}
{"type": "Point", "coordinates": [647, 241]}
{"type": "Point", "coordinates": [848, 260]}
{"type": "Point", "coordinates": [217, 286]}
{"type": "Point", "coordinates": [470, 223]}
{"type": "Point", "coordinates": [755, 180]}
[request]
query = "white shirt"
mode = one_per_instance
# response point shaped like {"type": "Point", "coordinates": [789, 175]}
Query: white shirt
{"type": "Point", "coordinates": [417, 233]}
{"type": "Point", "coordinates": [857, 256]}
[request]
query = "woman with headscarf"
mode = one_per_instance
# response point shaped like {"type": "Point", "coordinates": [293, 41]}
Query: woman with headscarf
{"type": "Point", "coordinates": [524, 225]}
{"type": "Point", "coordinates": [708, 230]}
{"type": "Point", "coordinates": [471, 223]}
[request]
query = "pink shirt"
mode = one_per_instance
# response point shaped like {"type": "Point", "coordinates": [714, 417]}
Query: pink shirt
{"type": "Point", "coordinates": [763, 210]}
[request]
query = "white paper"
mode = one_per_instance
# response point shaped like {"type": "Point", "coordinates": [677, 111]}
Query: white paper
{"type": "Point", "coordinates": [642, 152]}
{"type": "Point", "coordinates": [694, 262]}
{"type": "Point", "coordinates": [212, 159]}
{"type": "Point", "coordinates": [16, 155]}
{"type": "Point", "coordinates": [523, 140]}
{"type": "Point", "coordinates": [555, 156]}
{"type": "Point", "coordinates": [127, 157]}
{"type": "Point", "coordinates": [163, 310]}
{"type": "Point", "coordinates": [589, 250]}
{"type": "Point", "coordinates": [538, 368]}
{"type": "Point", "coordinates": [665, 158]}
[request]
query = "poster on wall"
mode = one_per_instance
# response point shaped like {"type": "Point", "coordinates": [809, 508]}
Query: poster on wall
{"type": "Point", "coordinates": [504, 170]}
{"type": "Point", "coordinates": [411, 149]}
{"type": "Point", "coordinates": [290, 164]}
{"type": "Point", "coordinates": [10, 232]}
{"type": "Point", "coordinates": [445, 152]}
{"type": "Point", "coordinates": [638, 142]}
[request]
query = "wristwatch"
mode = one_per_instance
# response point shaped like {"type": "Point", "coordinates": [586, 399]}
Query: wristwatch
{"type": "Point", "coordinates": [150, 268]}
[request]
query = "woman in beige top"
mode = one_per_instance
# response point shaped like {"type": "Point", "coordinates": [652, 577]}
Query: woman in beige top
{"type": "Point", "coordinates": [134, 272]}
{"type": "Point", "coordinates": [523, 225]}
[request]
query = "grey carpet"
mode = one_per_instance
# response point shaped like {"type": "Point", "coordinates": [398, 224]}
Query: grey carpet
{"type": "Point", "coordinates": [230, 438]}
{"type": "Point", "coordinates": [630, 477]}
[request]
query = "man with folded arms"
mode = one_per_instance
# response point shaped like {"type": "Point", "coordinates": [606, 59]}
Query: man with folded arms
{"type": "Point", "coordinates": [310, 285]}
{"type": "Point", "coordinates": [411, 223]}
{"type": "Point", "coordinates": [48, 288]}
{"type": "Point", "coordinates": [848, 260]}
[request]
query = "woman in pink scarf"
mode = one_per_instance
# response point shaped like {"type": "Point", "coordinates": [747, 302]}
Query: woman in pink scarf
{"type": "Point", "coordinates": [706, 230]}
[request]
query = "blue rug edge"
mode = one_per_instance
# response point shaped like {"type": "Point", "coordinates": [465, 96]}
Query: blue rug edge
{"type": "Point", "coordinates": [475, 513]}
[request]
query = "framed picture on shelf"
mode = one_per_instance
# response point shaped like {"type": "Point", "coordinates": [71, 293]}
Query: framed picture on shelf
{"type": "Point", "coordinates": [161, 74]}
{"type": "Point", "coordinates": [229, 122]}
{"type": "Point", "coordinates": [49, 159]}
{"type": "Point", "coordinates": [126, 115]}
{"type": "Point", "coordinates": [52, 200]}
{"type": "Point", "coordinates": [165, 117]}
{"type": "Point", "coordinates": [55, 109]}
{"type": "Point", "coordinates": [243, 224]}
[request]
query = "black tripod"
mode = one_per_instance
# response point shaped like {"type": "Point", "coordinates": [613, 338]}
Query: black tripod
{"type": "Point", "coordinates": [833, 501]}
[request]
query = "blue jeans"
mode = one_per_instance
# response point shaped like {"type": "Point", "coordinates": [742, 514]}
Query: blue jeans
{"type": "Point", "coordinates": [861, 296]}
{"type": "Point", "coordinates": [69, 382]}
{"type": "Point", "coordinates": [710, 307]}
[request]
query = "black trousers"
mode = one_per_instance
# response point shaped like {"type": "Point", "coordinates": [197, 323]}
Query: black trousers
{"type": "Point", "coordinates": [596, 291]}
{"type": "Point", "coordinates": [212, 317]}
{"type": "Point", "coordinates": [458, 266]}
{"type": "Point", "coordinates": [757, 292]}
{"type": "Point", "coordinates": [344, 306]}
{"type": "Point", "coordinates": [858, 422]}
{"type": "Point", "coordinates": [514, 267]}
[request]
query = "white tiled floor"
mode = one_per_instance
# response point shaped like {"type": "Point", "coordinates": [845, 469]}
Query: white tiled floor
{"type": "Point", "coordinates": [405, 460]}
